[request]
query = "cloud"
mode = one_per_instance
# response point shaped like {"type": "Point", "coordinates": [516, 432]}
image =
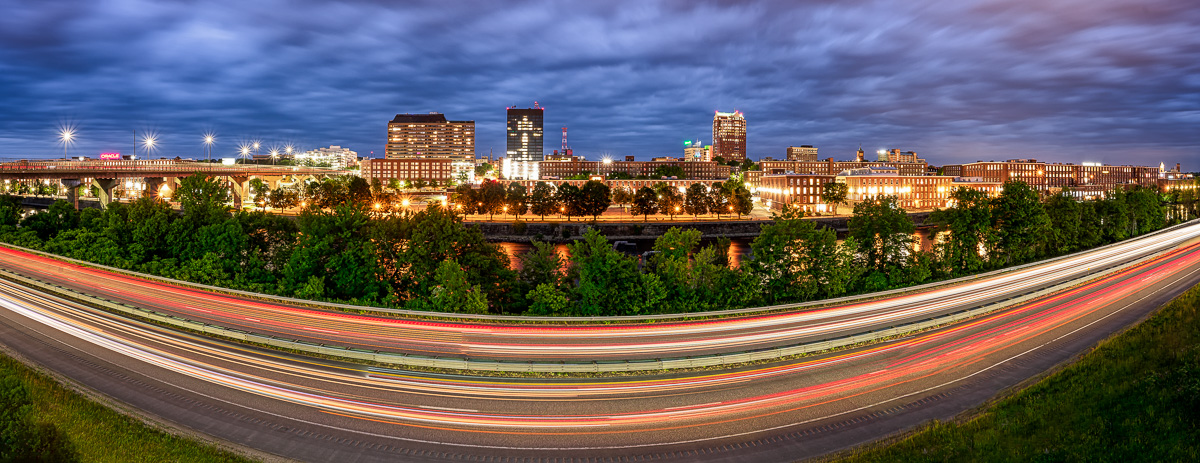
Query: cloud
{"type": "Point", "coordinates": [955, 81]}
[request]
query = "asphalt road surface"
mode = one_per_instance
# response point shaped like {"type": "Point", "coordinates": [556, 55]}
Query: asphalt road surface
{"type": "Point", "coordinates": [318, 410]}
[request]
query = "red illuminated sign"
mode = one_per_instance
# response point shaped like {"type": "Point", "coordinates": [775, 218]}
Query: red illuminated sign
{"type": "Point", "coordinates": [110, 156]}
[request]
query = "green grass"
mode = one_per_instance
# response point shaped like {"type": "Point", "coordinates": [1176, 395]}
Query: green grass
{"type": "Point", "coordinates": [1136, 397]}
{"type": "Point", "coordinates": [90, 431]}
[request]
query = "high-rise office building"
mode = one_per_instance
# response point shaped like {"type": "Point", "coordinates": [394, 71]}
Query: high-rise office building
{"type": "Point", "coordinates": [525, 134]}
{"type": "Point", "coordinates": [431, 136]}
{"type": "Point", "coordinates": [729, 136]}
{"type": "Point", "coordinates": [802, 153]}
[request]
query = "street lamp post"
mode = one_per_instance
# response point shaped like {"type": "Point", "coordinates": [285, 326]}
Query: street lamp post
{"type": "Point", "coordinates": [209, 139]}
{"type": "Point", "coordinates": [66, 136]}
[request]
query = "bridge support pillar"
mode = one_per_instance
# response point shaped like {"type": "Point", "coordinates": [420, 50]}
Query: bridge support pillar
{"type": "Point", "coordinates": [240, 186]}
{"type": "Point", "coordinates": [172, 185]}
{"type": "Point", "coordinates": [72, 185]}
{"type": "Point", "coordinates": [152, 185]}
{"type": "Point", "coordinates": [105, 185]}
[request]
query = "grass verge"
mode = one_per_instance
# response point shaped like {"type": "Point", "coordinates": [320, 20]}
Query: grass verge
{"type": "Point", "coordinates": [70, 427]}
{"type": "Point", "coordinates": [1136, 397]}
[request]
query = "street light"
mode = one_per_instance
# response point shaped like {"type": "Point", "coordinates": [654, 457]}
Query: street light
{"type": "Point", "coordinates": [148, 142]}
{"type": "Point", "coordinates": [274, 154]}
{"type": "Point", "coordinates": [66, 136]}
{"type": "Point", "coordinates": [209, 139]}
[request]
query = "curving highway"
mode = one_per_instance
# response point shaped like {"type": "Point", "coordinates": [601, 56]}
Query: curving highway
{"type": "Point", "coordinates": [551, 343]}
{"type": "Point", "coordinates": [320, 410]}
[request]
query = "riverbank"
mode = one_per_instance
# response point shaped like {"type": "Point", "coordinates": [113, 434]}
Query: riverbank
{"type": "Point", "coordinates": [1135, 397]}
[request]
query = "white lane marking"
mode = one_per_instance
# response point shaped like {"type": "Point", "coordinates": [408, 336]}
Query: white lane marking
{"type": "Point", "coordinates": [449, 409]}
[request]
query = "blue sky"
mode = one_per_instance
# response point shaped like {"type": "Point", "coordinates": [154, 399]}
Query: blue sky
{"type": "Point", "coordinates": [955, 81]}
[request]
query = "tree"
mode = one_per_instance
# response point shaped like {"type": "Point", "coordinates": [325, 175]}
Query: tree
{"type": "Point", "coordinates": [719, 200]}
{"type": "Point", "coordinates": [203, 199]}
{"type": "Point", "coordinates": [569, 200]}
{"type": "Point", "coordinates": [794, 261]}
{"type": "Point", "coordinates": [609, 282]}
{"type": "Point", "coordinates": [835, 193]}
{"type": "Point", "coordinates": [670, 201]}
{"type": "Point", "coordinates": [742, 201]}
{"type": "Point", "coordinates": [261, 191]}
{"type": "Point", "coordinates": [884, 233]}
{"type": "Point", "coordinates": [336, 246]}
{"type": "Point", "coordinates": [516, 199]}
{"type": "Point", "coordinates": [668, 170]}
{"type": "Point", "coordinates": [483, 169]}
{"type": "Point", "coordinates": [1020, 223]}
{"type": "Point", "coordinates": [491, 198]}
{"type": "Point", "coordinates": [1066, 220]}
{"type": "Point", "coordinates": [645, 202]}
{"type": "Point", "coordinates": [547, 300]}
{"type": "Point", "coordinates": [542, 201]}
{"type": "Point", "coordinates": [61, 216]}
{"type": "Point", "coordinates": [696, 200]}
{"type": "Point", "coordinates": [622, 195]}
{"type": "Point", "coordinates": [969, 222]}
{"type": "Point", "coordinates": [358, 190]}
{"type": "Point", "coordinates": [10, 210]}
{"type": "Point", "coordinates": [454, 293]}
{"type": "Point", "coordinates": [594, 198]}
{"type": "Point", "coordinates": [284, 198]}
{"type": "Point", "coordinates": [541, 264]}
{"type": "Point", "coordinates": [697, 279]}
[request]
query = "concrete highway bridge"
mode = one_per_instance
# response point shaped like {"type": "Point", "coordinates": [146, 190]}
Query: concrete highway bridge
{"type": "Point", "coordinates": [155, 175]}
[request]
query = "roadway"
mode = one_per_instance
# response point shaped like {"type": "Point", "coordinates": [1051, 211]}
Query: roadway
{"type": "Point", "coordinates": [553, 343]}
{"type": "Point", "coordinates": [318, 410]}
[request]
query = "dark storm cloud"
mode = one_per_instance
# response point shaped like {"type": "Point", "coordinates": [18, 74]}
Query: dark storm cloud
{"type": "Point", "coordinates": [954, 81]}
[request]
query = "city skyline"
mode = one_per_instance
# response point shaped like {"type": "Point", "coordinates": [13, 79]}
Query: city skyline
{"type": "Point", "coordinates": [1114, 83]}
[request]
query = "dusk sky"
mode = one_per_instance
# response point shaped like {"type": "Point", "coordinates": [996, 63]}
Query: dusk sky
{"type": "Point", "coordinates": [955, 81]}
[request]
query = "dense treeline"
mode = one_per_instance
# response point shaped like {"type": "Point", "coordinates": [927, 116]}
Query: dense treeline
{"type": "Point", "coordinates": [431, 260]}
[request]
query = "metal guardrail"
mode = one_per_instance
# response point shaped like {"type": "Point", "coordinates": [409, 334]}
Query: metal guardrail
{"type": "Point", "coordinates": [596, 319]}
{"type": "Point", "coordinates": [401, 359]}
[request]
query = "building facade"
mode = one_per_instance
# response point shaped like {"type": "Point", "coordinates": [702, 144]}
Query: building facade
{"type": "Point", "coordinates": [802, 153]}
{"type": "Point", "coordinates": [524, 134]}
{"type": "Point", "coordinates": [831, 167]}
{"type": "Point", "coordinates": [695, 150]}
{"type": "Point", "coordinates": [798, 190]}
{"type": "Point", "coordinates": [693, 170]}
{"type": "Point", "coordinates": [334, 156]}
{"type": "Point", "coordinates": [729, 136]}
{"type": "Point", "coordinates": [430, 136]}
{"type": "Point", "coordinates": [439, 170]}
{"type": "Point", "coordinates": [1087, 180]}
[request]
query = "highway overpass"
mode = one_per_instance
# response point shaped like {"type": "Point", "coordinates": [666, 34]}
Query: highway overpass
{"type": "Point", "coordinates": [154, 174]}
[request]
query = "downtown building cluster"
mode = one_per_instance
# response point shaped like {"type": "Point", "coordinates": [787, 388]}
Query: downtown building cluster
{"type": "Point", "coordinates": [430, 148]}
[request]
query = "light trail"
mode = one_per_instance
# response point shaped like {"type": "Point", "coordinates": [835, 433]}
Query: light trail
{"type": "Point", "coordinates": [957, 350]}
{"type": "Point", "coordinates": [580, 342]}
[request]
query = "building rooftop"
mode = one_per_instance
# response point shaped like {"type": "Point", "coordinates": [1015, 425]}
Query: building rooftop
{"type": "Point", "coordinates": [421, 118]}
